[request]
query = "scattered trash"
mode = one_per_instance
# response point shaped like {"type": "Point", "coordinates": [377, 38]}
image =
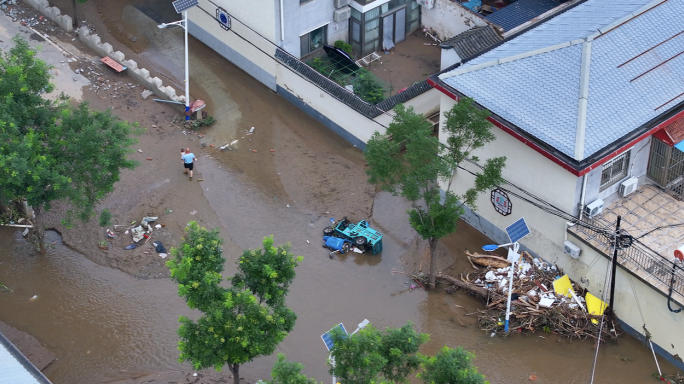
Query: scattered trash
{"type": "Point", "coordinates": [149, 158]}
{"type": "Point", "coordinates": [168, 211]}
{"type": "Point", "coordinates": [201, 136]}
{"type": "Point", "coordinates": [25, 233]}
{"type": "Point", "coordinates": [132, 246]}
{"type": "Point", "coordinates": [308, 242]}
{"type": "Point", "coordinates": [110, 233]}
{"type": "Point", "coordinates": [412, 287]}
{"type": "Point", "coordinates": [533, 377]}
{"type": "Point", "coordinates": [251, 130]}
{"type": "Point", "coordinates": [212, 145]}
{"type": "Point", "coordinates": [272, 150]}
{"type": "Point", "coordinates": [33, 298]}
{"type": "Point", "coordinates": [254, 150]}
{"type": "Point", "coordinates": [146, 93]}
{"type": "Point", "coordinates": [163, 225]}
{"type": "Point", "coordinates": [158, 226]}
{"type": "Point", "coordinates": [126, 233]}
{"type": "Point", "coordinates": [311, 225]}
{"type": "Point", "coordinates": [140, 150]}
{"type": "Point", "coordinates": [159, 247]}
{"type": "Point", "coordinates": [193, 212]}
{"type": "Point", "coordinates": [288, 205]}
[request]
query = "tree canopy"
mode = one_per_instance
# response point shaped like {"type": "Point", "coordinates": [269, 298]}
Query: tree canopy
{"type": "Point", "coordinates": [238, 323]}
{"type": "Point", "coordinates": [450, 366]}
{"type": "Point", "coordinates": [49, 150]}
{"type": "Point", "coordinates": [409, 160]}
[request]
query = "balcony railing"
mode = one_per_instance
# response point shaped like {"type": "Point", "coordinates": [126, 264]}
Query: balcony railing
{"type": "Point", "coordinates": [643, 262]}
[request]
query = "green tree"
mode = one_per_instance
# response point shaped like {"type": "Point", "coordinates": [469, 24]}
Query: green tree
{"type": "Point", "coordinates": [51, 151]}
{"type": "Point", "coordinates": [408, 160]}
{"type": "Point", "coordinates": [236, 325]}
{"type": "Point", "coordinates": [368, 87]}
{"type": "Point", "coordinates": [450, 366]}
{"type": "Point", "coordinates": [287, 372]}
{"type": "Point", "coordinates": [370, 354]}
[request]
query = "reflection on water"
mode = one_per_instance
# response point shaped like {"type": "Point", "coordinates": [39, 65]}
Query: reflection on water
{"type": "Point", "coordinates": [98, 321]}
{"type": "Point", "coordinates": [104, 324]}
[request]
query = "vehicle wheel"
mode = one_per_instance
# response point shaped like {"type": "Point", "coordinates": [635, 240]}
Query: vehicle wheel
{"type": "Point", "coordinates": [346, 247]}
{"type": "Point", "coordinates": [360, 241]}
{"type": "Point", "coordinates": [327, 231]}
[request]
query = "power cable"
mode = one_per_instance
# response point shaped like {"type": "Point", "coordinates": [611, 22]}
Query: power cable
{"type": "Point", "coordinates": [603, 314]}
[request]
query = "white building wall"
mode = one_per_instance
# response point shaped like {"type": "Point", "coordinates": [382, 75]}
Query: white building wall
{"type": "Point", "coordinates": [535, 173]}
{"type": "Point", "coordinates": [664, 326]}
{"type": "Point", "coordinates": [530, 171]}
{"type": "Point", "coordinates": [303, 18]}
{"type": "Point", "coordinates": [448, 19]}
{"type": "Point", "coordinates": [254, 56]}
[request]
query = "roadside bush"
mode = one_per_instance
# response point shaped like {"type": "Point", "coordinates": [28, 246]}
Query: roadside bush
{"type": "Point", "coordinates": [368, 87]}
{"type": "Point", "coordinates": [105, 218]}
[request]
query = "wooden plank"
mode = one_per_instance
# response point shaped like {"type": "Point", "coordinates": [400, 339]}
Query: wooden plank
{"type": "Point", "coordinates": [113, 64]}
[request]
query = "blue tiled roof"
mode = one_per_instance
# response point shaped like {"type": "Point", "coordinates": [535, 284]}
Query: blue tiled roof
{"type": "Point", "coordinates": [522, 11]}
{"type": "Point", "coordinates": [533, 80]}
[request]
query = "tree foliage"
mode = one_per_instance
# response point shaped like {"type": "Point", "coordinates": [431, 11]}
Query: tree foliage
{"type": "Point", "coordinates": [408, 160]}
{"type": "Point", "coordinates": [450, 366]}
{"type": "Point", "coordinates": [371, 355]}
{"type": "Point", "coordinates": [288, 372]}
{"type": "Point", "coordinates": [49, 150]}
{"type": "Point", "coordinates": [238, 323]}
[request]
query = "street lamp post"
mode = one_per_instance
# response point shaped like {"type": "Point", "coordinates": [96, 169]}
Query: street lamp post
{"type": "Point", "coordinates": [182, 6]}
{"type": "Point", "coordinates": [361, 325]}
{"type": "Point", "coordinates": [513, 258]}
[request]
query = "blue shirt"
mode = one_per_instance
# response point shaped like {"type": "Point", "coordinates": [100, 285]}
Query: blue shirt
{"type": "Point", "coordinates": [188, 158]}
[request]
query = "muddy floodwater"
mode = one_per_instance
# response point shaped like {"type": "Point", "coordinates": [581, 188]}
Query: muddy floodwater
{"type": "Point", "coordinates": [105, 325]}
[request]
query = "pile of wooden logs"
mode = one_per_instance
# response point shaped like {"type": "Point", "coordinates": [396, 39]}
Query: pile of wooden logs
{"type": "Point", "coordinates": [533, 285]}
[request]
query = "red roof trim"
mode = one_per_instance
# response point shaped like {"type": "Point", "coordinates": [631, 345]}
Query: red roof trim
{"type": "Point", "coordinates": [555, 159]}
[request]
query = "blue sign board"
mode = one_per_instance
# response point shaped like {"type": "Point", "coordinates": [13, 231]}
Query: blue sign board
{"type": "Point", "coordinates": [327, 337]}
{"type": "Point", "coordinates": [518, 230]}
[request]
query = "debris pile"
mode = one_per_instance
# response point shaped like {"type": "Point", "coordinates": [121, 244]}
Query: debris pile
{"type": "Point", "coordinates": [542, 299]}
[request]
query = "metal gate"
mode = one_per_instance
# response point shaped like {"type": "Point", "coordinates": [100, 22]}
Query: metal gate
{"type": "Point", "coordinates": [666, 166]}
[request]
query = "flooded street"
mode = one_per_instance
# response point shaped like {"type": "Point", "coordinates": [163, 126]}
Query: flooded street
{"type": "Point", "coordinates": [106, 326]}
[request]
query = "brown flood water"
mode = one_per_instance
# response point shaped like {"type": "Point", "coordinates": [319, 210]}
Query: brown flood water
{"type": "Point", "coordinates": [105, 325]}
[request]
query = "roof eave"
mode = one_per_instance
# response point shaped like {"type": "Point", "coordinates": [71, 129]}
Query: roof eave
{"type": "Point", "coordinates": [577, 168]}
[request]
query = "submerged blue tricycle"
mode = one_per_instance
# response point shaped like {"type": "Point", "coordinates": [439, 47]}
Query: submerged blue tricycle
{"type": "Point", "coordinates": [359, 234]}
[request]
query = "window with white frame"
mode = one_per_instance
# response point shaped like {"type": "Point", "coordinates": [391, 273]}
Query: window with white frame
{"type": "Point", "coordinates": [314, 40]}
{"type": "Point", "coordinates": [614, 170]}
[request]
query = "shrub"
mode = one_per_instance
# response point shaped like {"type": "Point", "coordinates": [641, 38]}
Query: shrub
{"type": "Point", "coordinates": [105, 218]}
{"type": "Point", "coordinates": [344, 46]}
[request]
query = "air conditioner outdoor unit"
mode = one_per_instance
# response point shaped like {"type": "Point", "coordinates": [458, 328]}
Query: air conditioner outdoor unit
{"type": "Point", "coordinates": [571, 249]}
{"type": "Point", "coordinates": [342, 14]}
{"type": "Point", "coordinates": [427, 4]}
{"type": "Point", "coordinates": [594, 208]}
{"type": "Point", "coordinates": [628, 186]}
{"type": "Point", "coordinates": [341, 3]}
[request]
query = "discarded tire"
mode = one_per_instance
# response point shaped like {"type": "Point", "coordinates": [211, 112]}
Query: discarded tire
{"type": "Point", "coordinates": [327, 231]}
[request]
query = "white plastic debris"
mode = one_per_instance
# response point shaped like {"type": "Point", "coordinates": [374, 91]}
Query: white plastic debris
{"type": "Point", "coordinates": [162, 255]}
{"type": "Point", "coordinates": [33, 298]}
{"type": "Point", "coordinates": [25, 233]}
{"type": "Point", "coordinates": [490, 275]}
{"type": "Point", "coordinates": [546, 302]}
{"type": "Point", "coordinates": [158, 226]}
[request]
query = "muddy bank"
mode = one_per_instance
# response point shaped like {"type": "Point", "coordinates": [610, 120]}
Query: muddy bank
{"type": "Point", "coordinates": [37, 354]}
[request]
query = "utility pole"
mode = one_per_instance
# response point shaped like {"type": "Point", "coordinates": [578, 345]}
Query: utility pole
{"type": "Point", "coordinates": [616, 241]}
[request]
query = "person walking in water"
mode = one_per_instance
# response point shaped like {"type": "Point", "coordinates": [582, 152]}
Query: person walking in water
{"type": "Point", "coordinates": [188, 161]}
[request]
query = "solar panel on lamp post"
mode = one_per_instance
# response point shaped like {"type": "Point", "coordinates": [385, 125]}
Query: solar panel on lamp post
{"type": "Point", "coordinates": [182, 6]}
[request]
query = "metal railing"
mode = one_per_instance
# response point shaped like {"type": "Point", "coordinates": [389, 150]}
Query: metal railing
{"type": "Point", "coordinates": [640, 260]}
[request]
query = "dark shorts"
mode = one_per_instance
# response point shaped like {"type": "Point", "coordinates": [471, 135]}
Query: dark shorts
{"type": "Point", "coordinates": [188, 165]}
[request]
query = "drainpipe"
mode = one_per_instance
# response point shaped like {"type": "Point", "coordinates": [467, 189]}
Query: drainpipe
{"type": "Point", "coordinates": [282, 23]}
{"type": "Point", "coordinates": [584, 190]}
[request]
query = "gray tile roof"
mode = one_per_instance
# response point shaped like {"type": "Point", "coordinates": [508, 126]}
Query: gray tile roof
{"type": "Point", "coordinates": [15, 368]}
{"type": "Point", "coordinates": [585, 78]}
{"type": "Point", "coordinates": [521, 12]}
{"type": "Point", "coordinates": [472, 41]}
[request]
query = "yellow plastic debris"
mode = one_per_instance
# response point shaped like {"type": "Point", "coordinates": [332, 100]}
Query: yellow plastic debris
{"type": "Point", "coordinates": [562, 285]}
{"type": "Point", "coordinates": [595, 306]}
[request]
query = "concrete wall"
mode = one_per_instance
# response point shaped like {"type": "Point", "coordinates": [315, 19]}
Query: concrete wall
{"type": "Point", "coordinates": [448, 58]}
{"type": "Point", "coordinates": [664, 326]}
{"type": "Point", "coordinates": [140, 75]}
{"type": "Point", "coordinates": [303, 18]}
{"type": "Point", "coordinates": [449, 18]}
{"type": "Point", "coordinates": [254, 56]}
{"type": "Point", "coordinates": [53, 13]}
